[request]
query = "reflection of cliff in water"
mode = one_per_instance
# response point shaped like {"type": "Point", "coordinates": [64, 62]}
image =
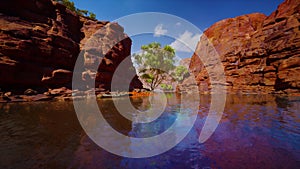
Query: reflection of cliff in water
{"type": "Point", "coordinates": [256, 131]}
{"type": "Point", "coordinates": [38, 135]}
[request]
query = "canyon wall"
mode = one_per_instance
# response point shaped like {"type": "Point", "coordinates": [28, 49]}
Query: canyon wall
{"type": "Point", "coordinates": [260, 54]}
{"type": "Point", "coordinates": [41, 41]}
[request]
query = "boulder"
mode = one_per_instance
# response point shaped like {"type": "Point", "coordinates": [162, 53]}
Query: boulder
{"type": "Point", "coordinates": [30, 92]}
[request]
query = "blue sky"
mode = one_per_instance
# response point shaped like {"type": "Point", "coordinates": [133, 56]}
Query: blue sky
{"type": "Point", "coordinates": [200, 13]}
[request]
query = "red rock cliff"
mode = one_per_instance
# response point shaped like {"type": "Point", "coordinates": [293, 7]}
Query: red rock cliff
{"type": "Point", "coordinates": [41, 40]}
{"type": "Point", "coordinates": [260, 54]}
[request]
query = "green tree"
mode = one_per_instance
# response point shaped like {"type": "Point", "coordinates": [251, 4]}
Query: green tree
{"type": "Point", "coordinates": [180, 73]}
{"type": "Point", "coordinates": [154, 63]}
{"type": "Point", "coordinates": [166, 86]}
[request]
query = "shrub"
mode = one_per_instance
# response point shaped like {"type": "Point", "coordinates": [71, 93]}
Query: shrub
{"type": "Point", "coordinates": [82, 12]}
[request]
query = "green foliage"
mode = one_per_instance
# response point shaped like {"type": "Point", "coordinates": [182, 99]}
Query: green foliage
{"type": "Point", "coordinates": [70, 5]}
{"type": "Point", "coordinates": [155, 63]}
{"type": "Point", "coordinates": [147, 76]}
{"type": "Point", "coordinates": [166, 86]}
{"type": "Point", "coordinates": [92, 15]}
{"type": "Point", "coordinates": [180, 73]}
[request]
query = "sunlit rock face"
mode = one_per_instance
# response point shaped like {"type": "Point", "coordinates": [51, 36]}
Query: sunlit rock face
{"type": "Point", "coordinates": [41, 41]}
{"type": "Point", "coordinates": [260, 54]}
{"type": "Point", "coordinates": [103, 52]}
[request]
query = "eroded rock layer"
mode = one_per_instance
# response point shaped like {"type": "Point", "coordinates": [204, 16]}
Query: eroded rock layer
{"type": "Point", "coordinates": [41, 41]}
{"type": "Point", "coordinates": [260, 54]}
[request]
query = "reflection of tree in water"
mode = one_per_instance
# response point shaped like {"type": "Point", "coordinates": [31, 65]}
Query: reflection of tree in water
{"type": "Point", "coordinates": [160, 124]}
{"type": "Point", "coordinates": [141, 103]}
{"type": "Point", "coordinates": [113, 117]}
{"type": "Point", "coordinates": [48, 135]}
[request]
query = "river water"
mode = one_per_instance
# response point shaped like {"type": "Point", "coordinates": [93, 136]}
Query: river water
{"type": "Point", "coordinates": [256, 131]}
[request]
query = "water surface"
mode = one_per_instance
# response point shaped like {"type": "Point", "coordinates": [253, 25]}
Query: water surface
{"type": "Point", "coordinates": [256, 131]}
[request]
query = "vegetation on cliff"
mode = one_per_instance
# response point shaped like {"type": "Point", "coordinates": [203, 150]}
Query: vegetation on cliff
{"type": "Point", "coordinates": [41, 43]}
{"type": "Point", "coordinates": [70, 5]}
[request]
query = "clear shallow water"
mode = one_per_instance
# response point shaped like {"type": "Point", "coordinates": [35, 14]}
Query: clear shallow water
{"type": "Point", "coordinates": [256, 131]}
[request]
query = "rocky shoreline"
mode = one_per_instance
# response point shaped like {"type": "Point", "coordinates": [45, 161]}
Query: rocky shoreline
{"type": "Point", "coordinates": [64, 94]}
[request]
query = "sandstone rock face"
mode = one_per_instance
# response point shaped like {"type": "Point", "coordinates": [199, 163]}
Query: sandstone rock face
{"type": "Point", "coordinates": [103, 52]}
{"type": "Point", "coordinates": [41, 41]}
{"type": "Point", "coordinates": [185, 62]}
{"type": "Point", "coordinates": [260, 54]}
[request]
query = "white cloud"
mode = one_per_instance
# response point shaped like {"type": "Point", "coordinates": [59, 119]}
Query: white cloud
{"type": "Point", "coordinates": [178, 24]}
{"type": "Point", "coordinates": [159, 31]}
{"type": "Point", "coordinates": [187, 38]}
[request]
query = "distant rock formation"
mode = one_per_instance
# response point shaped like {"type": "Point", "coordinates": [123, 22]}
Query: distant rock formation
{"type": "Point", "coordinates": [260, 54]}
{"type": "Point", "coordinates": [41, 40]}
{"type": "Point", "coordinates": [185, 62]}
